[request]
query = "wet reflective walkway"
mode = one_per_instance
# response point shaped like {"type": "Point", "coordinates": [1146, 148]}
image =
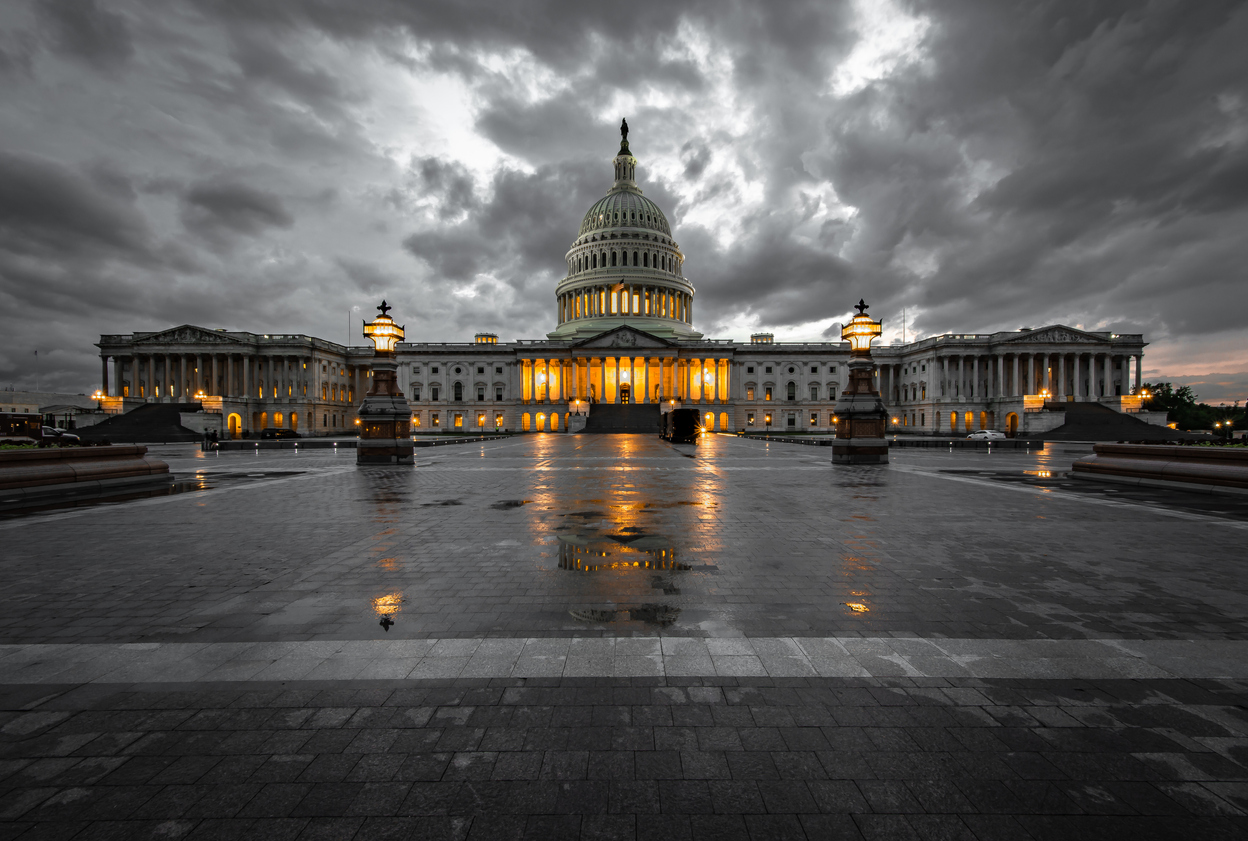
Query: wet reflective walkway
{"type": "Point", "coordinates": [579, 634]}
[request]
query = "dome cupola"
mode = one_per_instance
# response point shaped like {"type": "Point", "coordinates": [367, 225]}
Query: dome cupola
{"type": "Point", "coordinates": [624, 267]}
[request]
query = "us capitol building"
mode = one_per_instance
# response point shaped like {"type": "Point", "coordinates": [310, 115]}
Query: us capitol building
{"type": "Point", "coordinates": [624, 335]}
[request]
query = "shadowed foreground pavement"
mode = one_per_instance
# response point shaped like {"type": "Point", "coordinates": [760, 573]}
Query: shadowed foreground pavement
{"type": "Point", "coordinates": [610, 637]}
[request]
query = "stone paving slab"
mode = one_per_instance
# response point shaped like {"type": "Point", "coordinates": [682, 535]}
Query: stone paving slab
{"type": "Point", "coordinates": [646, 757]}
{"type": "Point", "coordinates": [598, 657]}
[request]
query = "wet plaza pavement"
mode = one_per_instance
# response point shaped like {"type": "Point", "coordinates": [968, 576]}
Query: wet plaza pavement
{"type": "Point", "coordinates": [610, 636]}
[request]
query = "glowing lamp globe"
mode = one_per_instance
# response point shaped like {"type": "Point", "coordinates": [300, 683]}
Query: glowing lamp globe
{"type": "Point", "coordinates": [861, 330]}
{"type": "Point", "coordinates": [383, 332]}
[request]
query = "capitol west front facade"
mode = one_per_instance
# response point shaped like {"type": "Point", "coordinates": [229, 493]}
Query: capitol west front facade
{"type": "Point", "coordinates": [624, 335]}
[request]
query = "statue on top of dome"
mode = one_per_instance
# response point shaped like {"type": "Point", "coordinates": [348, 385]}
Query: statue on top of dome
{"type": "Point", "coordinates": [624, 130]}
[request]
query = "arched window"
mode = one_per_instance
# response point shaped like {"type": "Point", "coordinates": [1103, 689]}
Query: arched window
{"type": "Point", "coordinates": [635, 258]}
{"type": "Point", "coordinates": [459, 392]}
{"type": "Point", "coordinates": [645, 260]}
{"type": "Point", "coordinates": [613, 258]}
{"type": "Point", "coordinates": [595, 259]}
{"type": "Point", "coordinates": [792, 391]}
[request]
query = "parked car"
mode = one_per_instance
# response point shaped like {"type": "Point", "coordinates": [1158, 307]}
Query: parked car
{"type": "Point", "coordinates": [60, 437]}
{"type": "Point", "coordinates": [272, 433]}
{"type": "Point", "coordinates": [987, 435]}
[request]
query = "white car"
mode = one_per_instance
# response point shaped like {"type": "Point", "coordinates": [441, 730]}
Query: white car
{"type": "Point", "coordinates": [987, 435]}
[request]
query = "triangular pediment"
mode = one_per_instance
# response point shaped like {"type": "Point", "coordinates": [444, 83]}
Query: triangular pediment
{"type": "Point", "coordinates": [1057, 334]}
{"type": "Point", "coordinates": [623, 337]}
{"type": "Point", "coordinates": [188, 334]}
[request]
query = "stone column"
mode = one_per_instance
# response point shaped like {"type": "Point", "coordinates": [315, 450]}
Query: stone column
{"type": "Point", "coordinates": [1139, 370]}
{"type": "Point", "coordinates": [1060, 391]}
{"type": "Point", "coordinates": [245, 360]}
{"type": "Point", "coordinates": [118, 369]}
{"type": "Point", "coordinates": [1109, 375]}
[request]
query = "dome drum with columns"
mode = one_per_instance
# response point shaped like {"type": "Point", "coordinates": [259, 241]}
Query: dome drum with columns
{"type": "Point", "coordinates": [624, 267]}
{"type": "Point", "coordinates": [624, 335]}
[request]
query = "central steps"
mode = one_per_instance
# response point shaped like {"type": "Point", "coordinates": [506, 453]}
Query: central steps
{"type": "Point", "coordinates": [628, 418]}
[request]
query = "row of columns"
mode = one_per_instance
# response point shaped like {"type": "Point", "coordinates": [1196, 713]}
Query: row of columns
{"type": "Point", "coordinates": [977, 376]}
{"type": "Point", "coordinates": [649, 379]}
{"type": "Point", "coordinates": [626, 299]}
{"type": "Point", "coordinates": [271, 376]}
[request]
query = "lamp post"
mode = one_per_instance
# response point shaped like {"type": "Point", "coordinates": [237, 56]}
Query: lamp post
{"type": "Point", "coordinates": [384, 416]}
{"type": "Point", "coordinates": [861, 419]}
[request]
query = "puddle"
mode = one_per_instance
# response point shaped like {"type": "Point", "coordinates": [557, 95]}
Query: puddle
{"type": "Point", "coordinates": [15, 510]}
{"type": "Point", "coordinates": [506, 504]}
{"type": "Point", "coordinates": [441, 503]}
{"type": "Point", "coordinates": [625, 551]}
{"type": "Point", "coordinates": [649, 614]}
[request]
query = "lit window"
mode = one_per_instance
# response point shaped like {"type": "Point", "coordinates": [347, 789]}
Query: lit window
{"type": "Point", "coordinates": [749, 419]}
{"type": "Point", "coordinates": [814, 418]}
{"type": "Point", "coordinates": [433, 419]}
{"type": "Point", "coordinates": [767, 393]}
{"type": "Point", "coordinates": [749, 393]}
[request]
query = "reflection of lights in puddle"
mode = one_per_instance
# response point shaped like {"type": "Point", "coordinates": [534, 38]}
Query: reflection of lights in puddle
{"type": "Point", "coordinates": [388, 605]}
{"type": "Point", "coordinates": [1042, 474]}
{"type": "Point", "coordinates": [857, 607]}
{"type": "Point", "coordinates": [630, 551]}
{"type": "Point", "coordinates": [390, 564]}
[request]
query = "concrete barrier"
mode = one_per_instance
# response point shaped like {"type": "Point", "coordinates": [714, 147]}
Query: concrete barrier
{"type": "Point", "coordinates": [1191, 468]}
{"type": "Point", "coordinates": [38, 474]}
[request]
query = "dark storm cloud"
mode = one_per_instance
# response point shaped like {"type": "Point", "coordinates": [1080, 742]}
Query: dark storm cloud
{"type": "Point", "coordinates": [1066, 161]}
{"type": "Point", "coordinates": [49, 209]}
{"type": "Point", "coordinates": [216, 208]}
{"type": "Point", "coordinates": [83, 30]}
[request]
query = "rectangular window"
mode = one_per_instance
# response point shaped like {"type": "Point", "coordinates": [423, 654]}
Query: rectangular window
{"type": "Point", "coordinates": [792, 421]}
{"type": "Point", "coordinates": [325, 420]}
{"type": "Point", "coordinates": [481, 421]}
{"type": "Point", "coordinates": [433, 393]}
{"type": "Point", "coordinates": [749, 393]}
{"type": "Point", "coordinates": [498, 420]}
{"type": "Point", "coordinates": [814, 369]}
{"type": "Point", "coordinates": [922, 418]}
{"type": "Point", "coordinates": [767, 393]}
{"type": "Point", "coordinates": [498, 369]}
{"type": "Point", "coordinates": [749, 419]}
{"type": "Point", "coordinates": [416, 419]}
{"type": "Point", "coordinates": [459, 420]}
{"type": "Point", "coordinates": [498, 393]}
{"type": "Point", "coordinates": [415, 369]}
{"type": "Point", "coordinates": [481, 393]}
{"type": "Point", "coordinates": [768, 369]}
{"type": "Point", "coordinates": [814, 392]}
{"type": "Point", "coordinates": [434, 420]}
{"type": "Point", "coordinates": [480, 369]}
{"type": "Point", "coordinates": [416, 393]}
{"type": "Point", "coordinates": [434, 369]}
{"type": "Point", "coordinates": [832, 369]}
{"type": "Point", "coordinates": [749, 369]}
{"type": "Point", "coordinates": [831, 392]}
{"type": "Point", "coordinates": [814, 418]}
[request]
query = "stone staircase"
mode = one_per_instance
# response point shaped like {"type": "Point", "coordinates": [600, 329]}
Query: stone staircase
{"type": "Point", "coordinates": [638, 418]}
{"type": "Point", "coordinates": [153, 423]}
{"type": "Point", "coordinates": [1094, 422]}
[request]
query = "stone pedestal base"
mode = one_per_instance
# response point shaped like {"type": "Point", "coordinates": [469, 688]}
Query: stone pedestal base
{"type": "Point", "coordinates": [860, 451]}
{"type": "Point", "coordinates": [385, 431]}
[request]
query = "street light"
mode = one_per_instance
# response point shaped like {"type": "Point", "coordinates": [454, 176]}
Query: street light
{"type": "Point", "coordinates": [386, 438]}
{"type": "Point", "coordinates": [862, 439]}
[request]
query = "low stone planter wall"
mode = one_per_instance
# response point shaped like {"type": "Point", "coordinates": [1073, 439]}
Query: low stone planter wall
{"type": "Point", "coordinates": [33, 474]}
{"type": "Point", "coordinates": [1222, 468]}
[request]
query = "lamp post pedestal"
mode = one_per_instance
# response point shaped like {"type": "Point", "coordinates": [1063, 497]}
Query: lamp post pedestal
{"type": "Point", "coordinates": [861, 420]}
{"type": "Point", "coordinates": [385, 420]}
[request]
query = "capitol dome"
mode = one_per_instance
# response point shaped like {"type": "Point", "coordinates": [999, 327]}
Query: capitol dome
{"type": "Point", "coordinates": [624, 267]}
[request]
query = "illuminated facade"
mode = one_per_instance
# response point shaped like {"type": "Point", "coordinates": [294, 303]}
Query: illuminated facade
{"type": "Point", "coordinates": [624, 334]}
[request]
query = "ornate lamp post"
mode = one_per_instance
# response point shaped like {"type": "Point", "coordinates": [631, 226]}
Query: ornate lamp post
{"type": "Point", "coordinates": [862, 420]}
{"type": "Point", "coordinates": [385, 417]}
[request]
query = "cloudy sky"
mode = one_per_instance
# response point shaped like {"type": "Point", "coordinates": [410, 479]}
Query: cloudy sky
{"type": "Point", "coordinates": [281, 166]}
